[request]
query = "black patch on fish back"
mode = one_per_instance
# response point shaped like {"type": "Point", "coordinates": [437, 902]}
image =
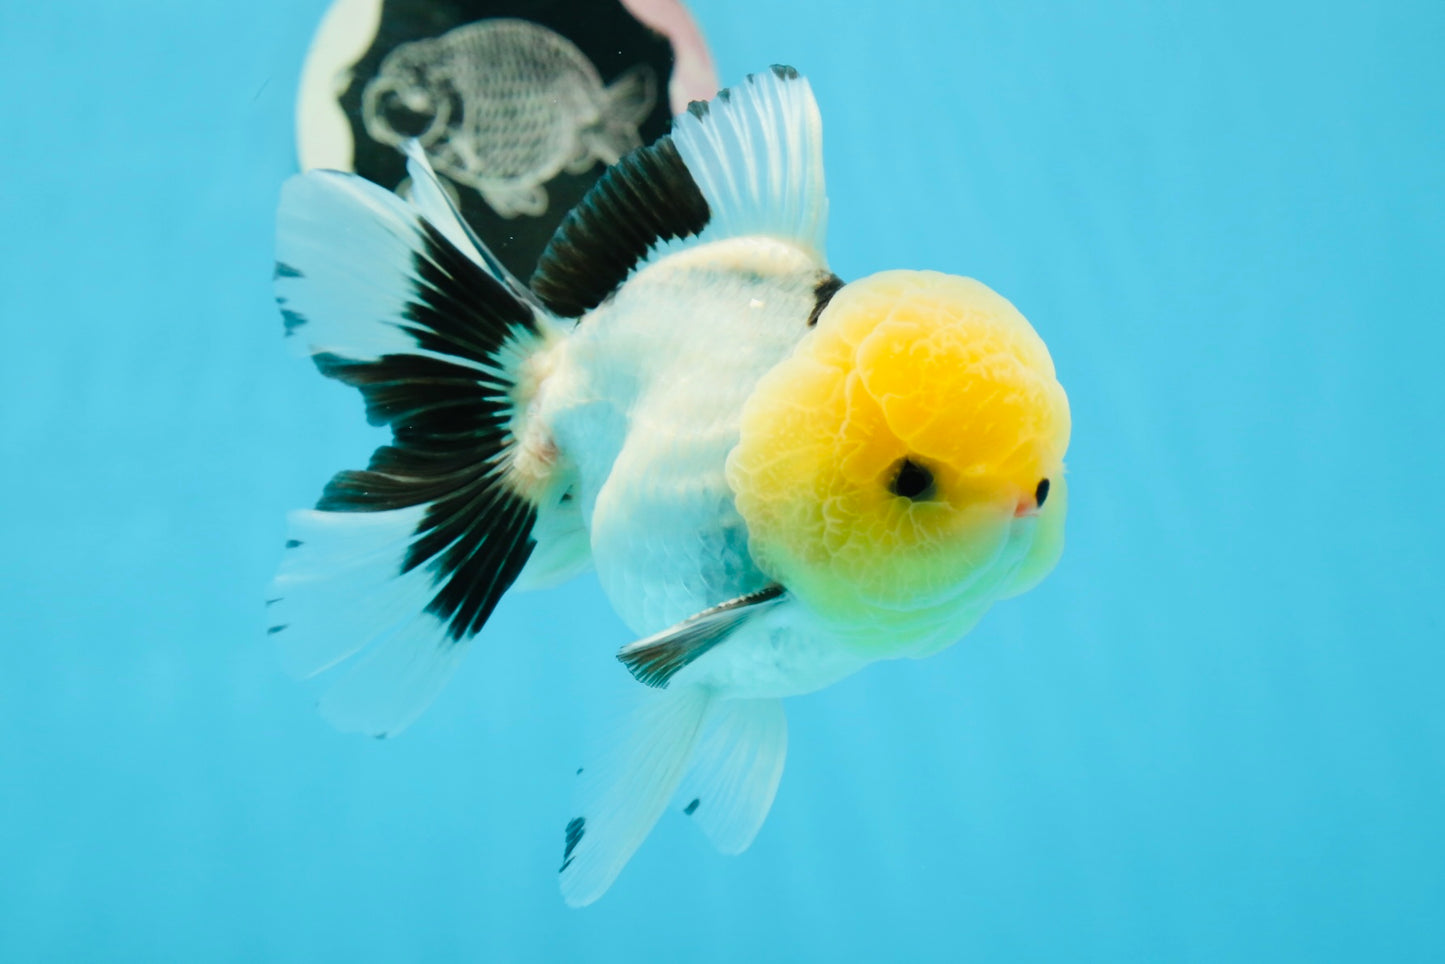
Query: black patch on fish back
{"type": "Point", "coordinates": [647, 197]}
{"type": "Point", "coordinates": [576, 828]}
{"type": "Point", "coordinates": [449, 426]}
{"type": "Point", "coordinates": [823, 294]}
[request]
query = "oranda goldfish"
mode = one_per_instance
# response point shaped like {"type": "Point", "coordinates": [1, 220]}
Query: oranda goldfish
{"type": "Point", "coordinates": [778, 476]}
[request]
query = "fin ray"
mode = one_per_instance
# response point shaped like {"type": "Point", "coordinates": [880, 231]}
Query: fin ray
{"type": "Point", "coordinates": [621, 798]}
{"type": "Point", "coordinates": [735, 771]}
{"type": "Point", "coordinates": [658, 658]}
{"type": "Point", "coordinates": [402, 562]}
{"type": "Point", "coordinates": [749, 162]}
{"type": "Point", "coordinates": [756, 152]}
{"type": "Point", "coordinates": [435, 205]}
{"type": "Point", "coordinates": [394, 681]}
{"type": "Point", "coordinates": [644, 198]}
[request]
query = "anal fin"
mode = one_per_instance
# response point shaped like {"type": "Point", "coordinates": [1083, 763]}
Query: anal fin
{"type": "Point", "coordinates": [725, 756]}
{"type": "Point", "coordinates": [734, 773]}
{"type": "Point", "coordinates": [621, 796]}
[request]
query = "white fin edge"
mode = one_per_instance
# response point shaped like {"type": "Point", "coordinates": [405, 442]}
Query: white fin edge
{"type": "Point", "coordinates": [620, 799]}
{"type": "Point", "coordinates": [395, 680]}
{"type": "Point", "coordinates": [736, 770]}
{"type": "Point", "coordinates": [756, 153]}
{"type": "Point", "coordinates": [431, 201]}
{"type": "Point", "coordinates": [344, 250]}
{"type": "Point", "coordinates": [342, 598]}
{"type": "Point", "coordinates": [353, 262]}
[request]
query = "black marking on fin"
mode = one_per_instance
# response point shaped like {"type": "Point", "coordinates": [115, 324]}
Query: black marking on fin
{"type": "Point", "coordinates": [784, 72]}
{"type": "Point", "coordinates": [657, 659]}
{"type": "Point", "coordinates": [698, 108]}
{"type": "Point", "coordinates": [449, 423]}
{"type": "Point", "coordinates": [691, 808]}
{"type": "Point", "coordinates": [272, 602]}
{"type": "Point", "coordinates": [579, 771]}
{"type": "Point", "coordinates": [576, 827]}
{"type": "Point", "coordinates": [273, 630]}
{"type": "Point", "coordinates": [647, 197]}
{"type": "Point", "coordinates": [284, 270]}
{"type": "Point", "coordinates": [292, 320]}
{"type": "Point", "coordinates": [293, 543]}
{"type": "Point", "coordinates": [823, 293]}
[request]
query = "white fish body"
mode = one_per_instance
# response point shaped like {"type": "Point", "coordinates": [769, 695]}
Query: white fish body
{"type": "Point", "coordinates": [647, 407]}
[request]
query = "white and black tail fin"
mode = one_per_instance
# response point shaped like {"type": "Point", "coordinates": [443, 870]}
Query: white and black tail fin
{"type": "Point", "coordinates": [747, 163]}
{"type": "Point", "coordinates": [725, 756]}
{"type": "Point", "coordinates": [402, 563]}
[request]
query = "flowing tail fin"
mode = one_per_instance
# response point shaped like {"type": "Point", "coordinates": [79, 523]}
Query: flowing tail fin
{"type": "Point", "coordinates": [401, 563]}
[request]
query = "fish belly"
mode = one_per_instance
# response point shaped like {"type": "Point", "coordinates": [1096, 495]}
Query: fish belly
{"type": "Point", "coordinates": [783, 653]}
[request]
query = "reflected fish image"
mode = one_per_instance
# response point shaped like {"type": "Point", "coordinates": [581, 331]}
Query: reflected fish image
{"type": "Point", "coordinates": [778, 476]}
{"type": "Point", "coordinates": [503, 105]}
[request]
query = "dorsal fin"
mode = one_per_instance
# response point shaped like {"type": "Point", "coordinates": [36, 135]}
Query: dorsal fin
{"type": "Point", "coordinates": [756, 153]}
{"type": "Point", "coordinates": [646, 197]}
{"type": "Point", "coordinates": [749, 162]}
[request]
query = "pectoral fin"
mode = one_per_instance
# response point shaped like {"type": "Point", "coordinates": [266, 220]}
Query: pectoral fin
{"type": "Point", "coordinates": [657, 659]}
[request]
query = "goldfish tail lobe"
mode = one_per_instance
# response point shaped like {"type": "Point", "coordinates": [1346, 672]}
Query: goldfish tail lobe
{"type": "Point", "coordinates": [402, 563]}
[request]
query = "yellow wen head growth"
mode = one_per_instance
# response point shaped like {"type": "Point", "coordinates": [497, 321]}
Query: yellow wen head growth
{"type": "Point", "coordinates": [908, 456]}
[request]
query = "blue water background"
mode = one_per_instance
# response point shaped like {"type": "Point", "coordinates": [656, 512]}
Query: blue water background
{"type": "Point", "coordinates": [1215, 733]}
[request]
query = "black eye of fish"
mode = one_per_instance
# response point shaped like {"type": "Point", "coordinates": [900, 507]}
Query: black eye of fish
{"type": "Point", "coordinates": [1041, 493]}
{"type": "Point", "coordinates": [911, 481]}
